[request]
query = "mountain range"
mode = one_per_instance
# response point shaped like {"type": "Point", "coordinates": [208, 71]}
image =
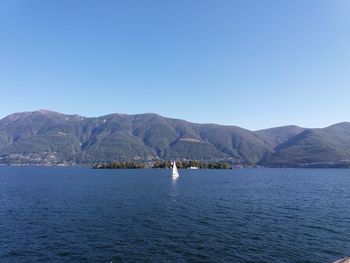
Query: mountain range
{"type": "Point", "coordinates": [45, 137]}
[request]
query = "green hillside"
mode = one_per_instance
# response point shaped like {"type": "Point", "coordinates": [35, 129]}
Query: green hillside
{"type": "Point", "coordinates": [51, 138]}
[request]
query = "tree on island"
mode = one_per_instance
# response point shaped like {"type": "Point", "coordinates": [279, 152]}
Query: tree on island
{"type": "Point", "coordinates": [181, 164]}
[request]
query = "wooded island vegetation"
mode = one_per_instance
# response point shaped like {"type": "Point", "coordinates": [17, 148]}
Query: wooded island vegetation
{"type": "Point", "coordinates": [163, 164]}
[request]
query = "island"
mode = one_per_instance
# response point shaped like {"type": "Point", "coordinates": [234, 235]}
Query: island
{"type": "Point", "coordinates": [182, 164]}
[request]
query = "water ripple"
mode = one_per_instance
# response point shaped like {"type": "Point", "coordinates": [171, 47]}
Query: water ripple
{"type": "Point", "coordinates": [253, 215]}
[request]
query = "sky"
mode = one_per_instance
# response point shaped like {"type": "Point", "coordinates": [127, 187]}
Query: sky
{"type": "Point", "coordinates": [251, 63]}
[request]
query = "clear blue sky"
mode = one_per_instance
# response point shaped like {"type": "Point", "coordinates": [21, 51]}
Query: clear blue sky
{"type": "Point", "coordinates": [254, 64]}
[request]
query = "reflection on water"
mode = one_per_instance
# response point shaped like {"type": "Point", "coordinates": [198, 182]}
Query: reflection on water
{"type": "Point", "coordinates": [174, 180]}
{"type": "Point", "coordinates": [174, 189]}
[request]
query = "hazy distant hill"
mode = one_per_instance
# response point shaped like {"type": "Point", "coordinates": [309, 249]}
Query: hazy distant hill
{"type": "Point", "coordinates": [278, 135]}
{"type": "Point", "coordinates": [46, 137]}
{"type": "Point", "coordinates": [315, 148]}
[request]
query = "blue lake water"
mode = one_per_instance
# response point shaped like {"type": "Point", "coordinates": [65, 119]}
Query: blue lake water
{"type": "Point", "coordinates": [243, 215]}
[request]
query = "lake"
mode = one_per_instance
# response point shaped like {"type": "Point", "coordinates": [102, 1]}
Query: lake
{"type": "Point", "coordinates": [239, 215]}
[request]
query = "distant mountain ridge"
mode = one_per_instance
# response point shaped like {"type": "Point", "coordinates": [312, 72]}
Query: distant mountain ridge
{"type": "Point", "coordinates": [50, 138]}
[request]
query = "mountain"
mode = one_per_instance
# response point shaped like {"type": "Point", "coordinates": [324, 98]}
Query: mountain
{"type": "Point", "coordinates": [327, 147]}
{"type": "Point", "coordinates": [51, 138]}
{"type": "Point", "coordinates": [46, 137]}
{"type": "Point", "coordinates": [278, 135]}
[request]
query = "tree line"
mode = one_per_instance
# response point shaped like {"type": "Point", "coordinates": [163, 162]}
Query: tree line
{"type": "Point", "coordinates": [182, 164]}
{"type": "Point", "coordinates": [119, 165]}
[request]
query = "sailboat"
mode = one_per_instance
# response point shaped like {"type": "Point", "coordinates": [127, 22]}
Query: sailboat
{"type": "Point", "coordinates": [175, 173]}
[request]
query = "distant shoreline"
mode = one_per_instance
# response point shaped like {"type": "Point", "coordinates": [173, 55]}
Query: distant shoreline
{"type": "Point", "coordinates": [233, 167]}
{"type": "Point", "coordinates": [191, 164]}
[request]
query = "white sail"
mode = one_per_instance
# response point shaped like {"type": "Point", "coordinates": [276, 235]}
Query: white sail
{"type": "Point", "coordinates": [175, 173]}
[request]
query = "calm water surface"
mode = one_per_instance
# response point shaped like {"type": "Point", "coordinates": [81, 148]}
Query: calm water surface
{"type": "Point", "coordinates": [260, 215]}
